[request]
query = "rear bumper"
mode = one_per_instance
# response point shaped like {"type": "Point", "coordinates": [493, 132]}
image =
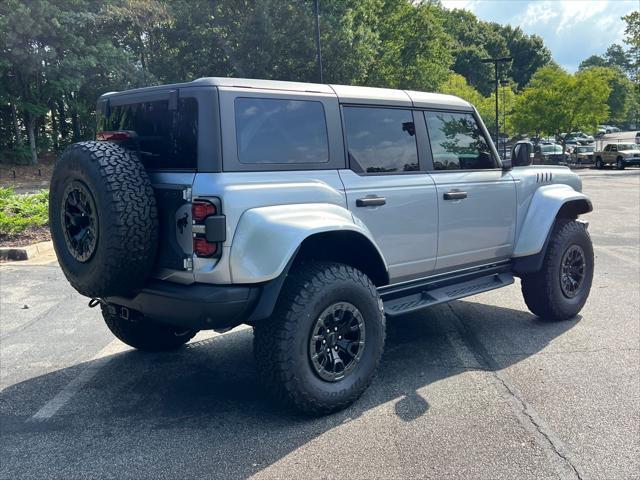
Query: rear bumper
{"type": "Point", "coordinates": [198, 306]}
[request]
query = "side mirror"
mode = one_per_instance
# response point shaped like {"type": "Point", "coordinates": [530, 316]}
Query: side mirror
{"type": "Point", "coordinates": [522, 154]}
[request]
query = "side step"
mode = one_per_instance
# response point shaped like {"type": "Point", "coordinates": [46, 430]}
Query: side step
{"type": "Point", "coordinates": [427, 298]}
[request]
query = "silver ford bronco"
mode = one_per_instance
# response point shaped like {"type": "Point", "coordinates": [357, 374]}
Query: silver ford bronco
{"type": "Point", "coordinates": [310, 212]}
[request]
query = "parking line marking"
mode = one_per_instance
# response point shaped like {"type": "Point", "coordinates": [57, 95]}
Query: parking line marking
{"type": "Point", "coordinates": [103, 357]}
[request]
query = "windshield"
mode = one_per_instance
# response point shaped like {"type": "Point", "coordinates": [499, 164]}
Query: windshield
{"type": "Point", "coordinates": [551, 149]}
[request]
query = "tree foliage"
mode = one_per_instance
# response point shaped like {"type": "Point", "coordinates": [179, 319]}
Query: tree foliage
{"type": "Point", "coordinates": [557, 102]}
{"type": "Point", "coordinates": [58, 56]}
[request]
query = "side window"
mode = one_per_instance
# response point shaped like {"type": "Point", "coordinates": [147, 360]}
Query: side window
{"type": "Point", "coordinates": [163, 138]}
{"type": "Point", "coordinates": [271, 131]}
{"type": "Point", "coordinates": [614, 148]}
{"type": "Point", "coordinates": [607, 148]}
{"type": "Point", "coordinates": [381, 140]}
{"type": "Point", "coordinates": [457, 143]}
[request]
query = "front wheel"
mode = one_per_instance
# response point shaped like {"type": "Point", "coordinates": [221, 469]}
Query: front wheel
{"type": "Point", "coordinates": [320, 349]}
{"type": "Point", "coordinates": [620, 163]}
{"type": "Point", "coordinates": [560, 289]}
{"type": "Point", "coordinates": [599, 163]}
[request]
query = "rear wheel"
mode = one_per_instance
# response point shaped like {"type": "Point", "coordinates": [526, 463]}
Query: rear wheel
{"type": "Point", "coordinates": [561, 288]}
{"type": "Point", "coordinates": [142, 333]}
{"type": "Point", "coordinates": [320, 349]}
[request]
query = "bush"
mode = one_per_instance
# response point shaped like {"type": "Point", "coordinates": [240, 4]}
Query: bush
{"type": "Point", "coordinates": [21, 212]}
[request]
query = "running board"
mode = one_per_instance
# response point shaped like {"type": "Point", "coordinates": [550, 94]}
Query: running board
{"type": "Point", "coordinates": [427, 298]}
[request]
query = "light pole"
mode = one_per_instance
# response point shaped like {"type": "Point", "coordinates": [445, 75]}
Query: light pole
{"type": "Point", "coordinates": [495, 62]}
{"type": "Point", "coordinates": [316, 8]}
{"type": "Point", "coordinates": [504, 84]}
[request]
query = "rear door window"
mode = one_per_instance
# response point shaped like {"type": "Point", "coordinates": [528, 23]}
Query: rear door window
{"type": "Point", "coordinates": [381, 140]}
{"type": "Point", "coordinates": [163, 138]}
{"type": "Point", "coordinates": [457, 143]}
{"type": "Point", "coordinates": [280, 131]}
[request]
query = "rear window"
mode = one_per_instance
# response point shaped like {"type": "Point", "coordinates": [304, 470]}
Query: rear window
{"type": "Point", "coordinates": [163, 138]}
{"type": "Point", "coordinates": [381, 140]}
{"type": "Point", "coordinates": [274, 131]}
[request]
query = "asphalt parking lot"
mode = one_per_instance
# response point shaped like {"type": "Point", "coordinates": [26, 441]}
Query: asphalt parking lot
{"type": "Point", "coordinates": [479, 388]}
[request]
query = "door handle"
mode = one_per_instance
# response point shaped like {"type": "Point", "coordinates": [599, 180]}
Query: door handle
{"type": "Point", "coordinates": [455, 195]}
{"type": "Point", "coordinates": [372, 201]}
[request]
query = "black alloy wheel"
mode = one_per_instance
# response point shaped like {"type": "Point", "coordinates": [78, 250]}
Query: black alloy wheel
{"type": "Point", "coordinates": [572, 271]}
{"type": "Point", "coordinates": [337, 341]}
{"type": "Point", "coordinates": [79, 221]}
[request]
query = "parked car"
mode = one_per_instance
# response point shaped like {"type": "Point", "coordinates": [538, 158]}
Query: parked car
{"type": "Point", "coordinates": [310, 212]}
{"type": "Point", "coordinates": [582, 155]}
{"type": "Point", "coordinates": [619, 154]}
{"type": "Point", "coordinates": [549, 154]}
{"type": "Point", "coordinates": [578, 138]}
{"type": "Point", "coordinates": [608, 129]}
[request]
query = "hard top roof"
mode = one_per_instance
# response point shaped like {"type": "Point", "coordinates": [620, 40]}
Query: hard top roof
{"type": "Point", "coordinates": [344, 93]}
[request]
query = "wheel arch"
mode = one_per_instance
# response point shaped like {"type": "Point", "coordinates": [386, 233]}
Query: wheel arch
{"type": "Point", "coordinates": [548, 207]}
{"type": "Point", "coordinates": [269, 240]}
{"type": "Point", "coordinates": [348, 247]}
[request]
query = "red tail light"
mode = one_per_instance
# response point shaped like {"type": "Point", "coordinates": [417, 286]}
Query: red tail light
{"type": "Point", "coordinates": [114, 135]}
{"type": "Point", "coordinates": [202, 248]}
{"type": "Point", "coordinates": [201, 210]}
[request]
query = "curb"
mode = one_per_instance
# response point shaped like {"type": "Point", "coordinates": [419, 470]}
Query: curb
{"type": "Point", "coordinates": [30, 252]}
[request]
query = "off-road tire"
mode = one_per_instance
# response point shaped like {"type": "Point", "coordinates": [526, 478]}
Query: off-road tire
{"type": "Point", "coordinates": [127, 218]}
{"type": "Point", "coordinates": [542, 290]}
{"type": "Point", "coordinates": [143, 333]}
{"type": "Point", "coordinates": [281, 344]}
{"type": "Point", "coordinates": [620, 163]}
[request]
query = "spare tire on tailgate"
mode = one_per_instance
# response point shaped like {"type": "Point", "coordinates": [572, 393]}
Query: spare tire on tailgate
{"type": "Point", "coordinates": [103, 219]}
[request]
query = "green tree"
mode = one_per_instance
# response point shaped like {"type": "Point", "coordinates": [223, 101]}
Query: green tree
{"type": "Point", "coordinates": [412, 50]}
{"type": "Point", "coordinates": [593, 61]}
{"type": "Point", "coordinates": [475, 40]}
{"type": "Point", "coordinates": [54, 52]}
{"type": "Point", "coordinates": [632, 39]}
{"type": "Point", "coordinates": [557, 102]}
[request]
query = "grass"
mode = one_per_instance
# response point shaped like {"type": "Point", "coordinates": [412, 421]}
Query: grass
{"type": "Point", "coordinates": [19, 213]}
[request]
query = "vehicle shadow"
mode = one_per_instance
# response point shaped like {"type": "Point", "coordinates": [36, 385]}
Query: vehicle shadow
{"type": "Point", "coordinates": [203, 405]}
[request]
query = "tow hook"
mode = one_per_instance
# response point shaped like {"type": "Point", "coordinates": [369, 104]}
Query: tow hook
{"type": "Point", "coordinates": [94, 302]}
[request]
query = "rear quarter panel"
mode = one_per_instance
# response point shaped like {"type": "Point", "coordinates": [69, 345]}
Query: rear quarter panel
{"type": "Point", "coordinates": [240, 192]}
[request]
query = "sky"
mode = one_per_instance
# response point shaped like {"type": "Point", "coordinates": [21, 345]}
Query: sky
{"type": "Point", "coordinates": [572, 29]}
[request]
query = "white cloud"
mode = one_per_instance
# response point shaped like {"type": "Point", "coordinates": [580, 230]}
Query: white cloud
{"type": "Point", "coordinates": [539, 13]}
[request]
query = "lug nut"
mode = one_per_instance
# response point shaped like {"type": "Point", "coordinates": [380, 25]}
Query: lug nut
{"type": "Point", "coordinates": [339, 337]}
{"type": "Point", "coordinates": [324, 341]}
{"type": "Point", "coordinates": [328, 331]}
{"type": "Point", "coordinates": [335, 329]}
{"type": "Point", "coordinates": [335, 348]}
{"type": "Point", "coordinates": [328, 350]}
